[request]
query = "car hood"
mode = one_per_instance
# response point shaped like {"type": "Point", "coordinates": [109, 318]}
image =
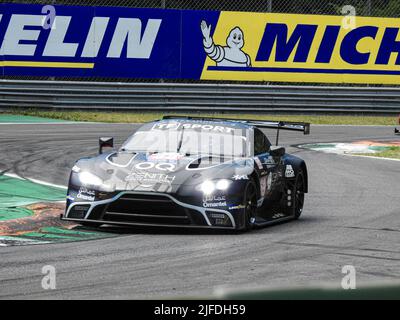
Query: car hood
{"type": "Point", "coordinates": [161, 172]}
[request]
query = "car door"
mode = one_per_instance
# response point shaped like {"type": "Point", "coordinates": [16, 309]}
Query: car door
{"type": "Point", "coordinates": [268, 167]}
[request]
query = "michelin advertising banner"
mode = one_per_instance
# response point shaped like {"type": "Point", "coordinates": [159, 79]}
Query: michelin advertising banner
{"type": "Point", "coordinates": [208, 45]}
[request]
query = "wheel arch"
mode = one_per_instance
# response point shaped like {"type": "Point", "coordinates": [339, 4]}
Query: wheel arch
{"type": "Point", "coordinates": [303, 167]}
{"type": "Point", "coordinates": [298, 164]}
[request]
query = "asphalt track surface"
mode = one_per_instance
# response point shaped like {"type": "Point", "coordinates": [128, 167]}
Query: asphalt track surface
{"type": "Point", "coordinates": [351, 217]}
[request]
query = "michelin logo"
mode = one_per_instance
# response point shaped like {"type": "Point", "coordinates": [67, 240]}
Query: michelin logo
{"type": "Point", "coordinates": [230, 55]}
{"type": "Point", "coordinates": [20, 39]}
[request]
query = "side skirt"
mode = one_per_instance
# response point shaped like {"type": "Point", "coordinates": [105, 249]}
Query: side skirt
{"type": "Point", "coordinates": [260, 222]}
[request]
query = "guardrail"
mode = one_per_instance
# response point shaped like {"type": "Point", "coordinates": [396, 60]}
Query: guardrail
{"type": "Point", "coordinates": [197, 97]}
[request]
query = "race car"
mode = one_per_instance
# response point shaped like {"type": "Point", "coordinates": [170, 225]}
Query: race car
{"type": "Point", "coordinates": [397, 131]}
{"type": "Point", "coordinates": [191, 172]}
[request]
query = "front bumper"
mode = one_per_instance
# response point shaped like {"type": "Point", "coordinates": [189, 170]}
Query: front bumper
{"type": "Point", "coordinates": [148, 209]}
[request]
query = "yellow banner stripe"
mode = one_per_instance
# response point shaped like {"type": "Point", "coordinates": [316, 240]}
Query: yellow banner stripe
{"type": "Point", "coordinates": [37, 64]}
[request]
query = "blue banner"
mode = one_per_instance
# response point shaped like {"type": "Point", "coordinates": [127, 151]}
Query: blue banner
{"type": "Point", "coordinates": [208, 45]}
{"type": "Point", "coordinates": [101, 41]}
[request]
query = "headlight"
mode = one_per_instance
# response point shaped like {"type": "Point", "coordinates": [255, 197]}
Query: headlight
{"type": "Point", "coordinates": [208, 187]}
{"type": "Point", "coordinates": [222, 184]}
{"type": "Point", "coordinates": [89, 179]}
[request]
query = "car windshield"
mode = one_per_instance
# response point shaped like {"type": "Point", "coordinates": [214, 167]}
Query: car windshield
{"type": "Point", "coordinates": [189, 142]}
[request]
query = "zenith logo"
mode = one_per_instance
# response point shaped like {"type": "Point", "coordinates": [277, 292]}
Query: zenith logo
{"type": "Point", "coordinates": [24, 34]}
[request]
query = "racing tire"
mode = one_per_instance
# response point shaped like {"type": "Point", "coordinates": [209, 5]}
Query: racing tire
{"type": "Point", "coordinates": [296, 188]}
{"type": "Point", "coordinates": [298, 200]}
{"type": "Point", "coordinates": [250, 205]}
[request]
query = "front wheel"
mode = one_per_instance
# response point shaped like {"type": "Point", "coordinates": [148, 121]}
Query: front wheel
{"type": "Point", "coordinates": [250, 205]}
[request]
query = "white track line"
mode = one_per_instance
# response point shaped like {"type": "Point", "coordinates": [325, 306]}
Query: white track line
{"type": "Point", "coordinates": [7, 241]}
{"type": "Point", "coordinates": [41, 123]}
{"type": "Point", "coordinates": [372, 157]}
{"type": "Point", "coordinates": [13, 175]}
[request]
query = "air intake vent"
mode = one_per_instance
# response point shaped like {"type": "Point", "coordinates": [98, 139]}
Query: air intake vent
{"type": "Point", "coordinates": [147, 209]}
{"type": "Point", "coordinates": [78, 211]}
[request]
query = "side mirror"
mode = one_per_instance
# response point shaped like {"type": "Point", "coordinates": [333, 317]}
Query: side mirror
{"type": "Point", "coordinates": [277, 151]}
{"type": "Point", "coordinates": [105, 142]}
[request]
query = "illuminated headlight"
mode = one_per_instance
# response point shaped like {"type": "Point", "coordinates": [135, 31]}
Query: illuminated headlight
{"type": "Point", "coordinates": [222, 184]}
{"type": "Point", "coordinates": [76, 169]}
{"type": "Point", "coordinates": [208, 187]}
{"type": "Point", "coordinates": [89, 179]}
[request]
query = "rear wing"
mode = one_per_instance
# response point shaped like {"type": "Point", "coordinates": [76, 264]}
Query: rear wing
{"type": "Point", "coordinates": [266, 124]}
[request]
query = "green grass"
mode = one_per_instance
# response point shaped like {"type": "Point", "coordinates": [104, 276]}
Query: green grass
{"type": "Point", "coordinates": [139, 117]}
{"type": "Point", "coordinates": [390, 152]}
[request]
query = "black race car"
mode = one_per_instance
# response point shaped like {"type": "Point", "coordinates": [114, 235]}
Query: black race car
{"type": "Point", "coordinates": [191, 172]}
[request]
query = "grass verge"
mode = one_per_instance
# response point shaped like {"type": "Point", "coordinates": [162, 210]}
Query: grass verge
{"type": "Point", "coordinates": [390, 152]}
{"type": "Point", "coordinates": [139, 117]}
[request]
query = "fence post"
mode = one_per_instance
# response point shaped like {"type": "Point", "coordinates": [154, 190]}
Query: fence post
{"type": "Point", "coordinates": [369, 7]}
{"type": "Point", "coordinates": [269, 5]}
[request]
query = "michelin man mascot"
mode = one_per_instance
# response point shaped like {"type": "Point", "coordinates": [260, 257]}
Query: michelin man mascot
{"type": "Point", "coordinates": [229, 56]}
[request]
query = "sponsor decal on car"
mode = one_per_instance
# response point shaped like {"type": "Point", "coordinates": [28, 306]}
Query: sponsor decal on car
{"type": "Point", "coordinates": [270, 162]}
{"type": "Point", "coordinates": [86, 194]}
{"type": "Point", "coordinates": [259, 163]}
{"type": "Point", "coordinates": [159, 166]}
{"type": "Point", "coordinates": [147, 177]}
{"type": "Point", "coordinates": [269, 182]}
{"type": "Point", "coordinates": [289, 172]}
{"type": "Point", "coordinates": [214, 201]}
{"type": "Point", "coordinates": [193, 126]}
{"type": "Point", "coordinates": [240, 177]}
{"type": "Point", "coordinates": [263, 185]}
{"type": "Point", "coordinates": [240, 206]}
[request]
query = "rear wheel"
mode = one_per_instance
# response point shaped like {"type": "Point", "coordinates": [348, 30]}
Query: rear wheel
{"type": "Point", "coordinates": [293, 197]}
{"type": "Point", "coordinates": [250, 205]}
{"type": "Point", "coordinates": [299, 195]}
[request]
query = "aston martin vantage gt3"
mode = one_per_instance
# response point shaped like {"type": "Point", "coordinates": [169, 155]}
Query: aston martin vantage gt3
{"type": "Point", "coordinates": [191, 172]}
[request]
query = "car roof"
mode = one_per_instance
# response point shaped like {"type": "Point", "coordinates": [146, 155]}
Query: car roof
{"type": "Point", "coordinates": [224, 123]}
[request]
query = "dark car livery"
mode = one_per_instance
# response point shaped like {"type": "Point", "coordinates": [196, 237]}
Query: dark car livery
{"type": "Point", "coordinates": [191, 172]}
